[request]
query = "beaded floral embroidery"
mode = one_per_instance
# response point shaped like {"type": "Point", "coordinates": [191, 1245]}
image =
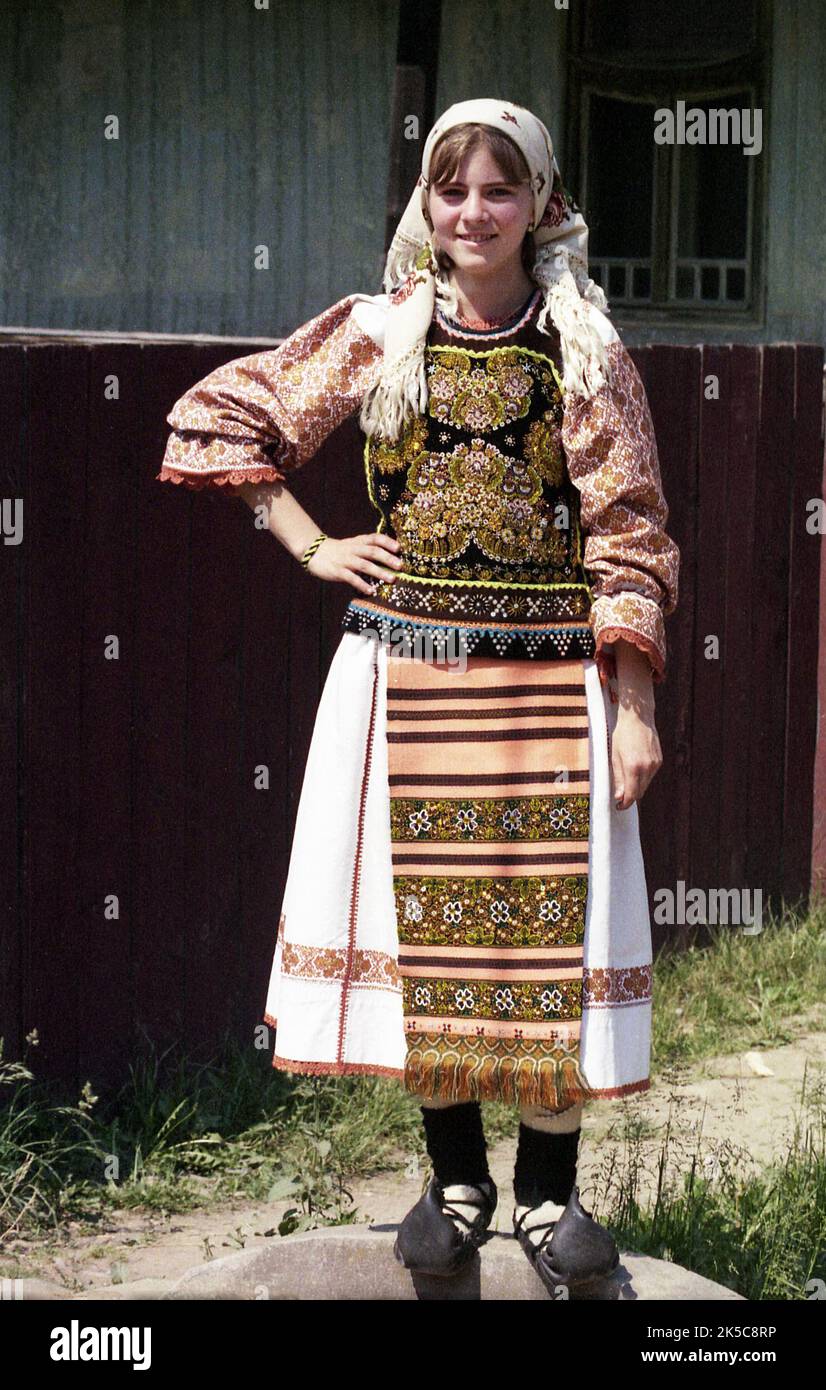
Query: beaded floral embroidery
{"type": "Point", "coordinates": [477, 489]}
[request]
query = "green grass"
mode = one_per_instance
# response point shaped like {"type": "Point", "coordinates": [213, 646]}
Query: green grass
{"type": "Point", "coordinates": [763, 1234]}
{"type": "Point", "coordinates": [740, 992]}
{"type": "Point", "coordinates": [180, 1135]}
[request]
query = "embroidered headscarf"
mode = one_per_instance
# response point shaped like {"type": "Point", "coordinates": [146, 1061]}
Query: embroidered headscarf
{"type": "Point", "coordinates": [414, 281]}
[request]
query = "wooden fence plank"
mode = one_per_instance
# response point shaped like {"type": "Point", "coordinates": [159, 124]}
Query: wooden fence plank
{"type": "Point", "coordinates": [105, 866]}
{"type": "Point", "coordinates": [13, 570]}
{"type": "Point", "coordinates": [819, 809]}
{"type": "Point", "coordinates": [803, 606]}
{"type": "Point", "coordinates": [213, 702]}
{"type": "Point", "coordinates": [164, 840]}
{"type": "Point", "coordinates": [55, 504]}
{"type": "Point", "coordinates": [770, 579]}
{"type": "Point", "coordinates": [738, 534]}
{"type": "Point", "coordinates": [710, 606]}
{"type": "Point", "coordinates": [671, 378]}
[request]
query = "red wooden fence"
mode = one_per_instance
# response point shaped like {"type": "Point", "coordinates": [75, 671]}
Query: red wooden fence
{"type": "Point", "coordinates": [128, 776]}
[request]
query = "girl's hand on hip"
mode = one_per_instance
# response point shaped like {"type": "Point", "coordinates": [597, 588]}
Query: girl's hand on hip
{"type": "Point", "coordinates": [346, 561]}
{"type": "Point", "coordinates": [636, 757]}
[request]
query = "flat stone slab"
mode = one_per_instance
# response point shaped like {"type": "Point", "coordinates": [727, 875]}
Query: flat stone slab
{"type": "Point", "coordinates": [357, 1262]}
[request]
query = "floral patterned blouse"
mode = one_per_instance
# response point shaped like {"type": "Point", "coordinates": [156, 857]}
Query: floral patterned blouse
{"type": "Point", "coordinates": [529, 518]}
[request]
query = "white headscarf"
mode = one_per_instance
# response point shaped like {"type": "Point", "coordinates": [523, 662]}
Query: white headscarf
{"type": "Point", "coordinates": [414, 282]}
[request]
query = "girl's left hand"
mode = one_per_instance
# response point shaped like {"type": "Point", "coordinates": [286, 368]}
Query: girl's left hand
{"type": "Point", "coordinates": [636, 756]}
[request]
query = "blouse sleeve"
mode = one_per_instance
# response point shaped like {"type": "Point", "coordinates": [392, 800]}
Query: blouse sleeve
{"type": "Point", "coordinates": [612, 459]}
{"type": "Point", "coordinates": [258, 418]}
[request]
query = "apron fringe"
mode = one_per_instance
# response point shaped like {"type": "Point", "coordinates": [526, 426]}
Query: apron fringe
{"type": "Point", "coordinates": [442, 1072]}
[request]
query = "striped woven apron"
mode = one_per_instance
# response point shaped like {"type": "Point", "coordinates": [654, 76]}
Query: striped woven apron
{"type": "Point", "coordinates": [489, 804]}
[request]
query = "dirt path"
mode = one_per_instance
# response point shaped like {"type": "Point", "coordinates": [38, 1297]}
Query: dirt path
{"type": "Point", "coordinates": [723, 1108]}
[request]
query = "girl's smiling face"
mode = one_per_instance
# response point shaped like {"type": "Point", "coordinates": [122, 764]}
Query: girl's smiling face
{"type": "Point", "coordinates": [479, 218]}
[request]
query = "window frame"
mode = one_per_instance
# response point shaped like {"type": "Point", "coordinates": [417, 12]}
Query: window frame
{"type": "Point", "coordinates": [662, 85]}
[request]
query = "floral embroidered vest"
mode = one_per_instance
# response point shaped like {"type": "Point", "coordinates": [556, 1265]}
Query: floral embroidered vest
{"type": "Point", "coordinates": [478, 495]}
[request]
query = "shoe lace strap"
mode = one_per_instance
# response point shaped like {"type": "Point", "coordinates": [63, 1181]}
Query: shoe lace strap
{"type": "Point", "coordinates": [546, 1226]}
{"type": "Point", "coordinates": [484, 1200]}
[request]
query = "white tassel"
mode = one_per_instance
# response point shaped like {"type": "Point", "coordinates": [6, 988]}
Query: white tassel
{"type": "Point", "coordinates": [403, 384]}
{"type": "Point", "coordinates": [585, 362]}
{"type": "Point", "coordinates": [589, 289]}
{"type": "Point", "coordinates": [447, 296]}
{"type": "Point", "coordinates": [586, 367]}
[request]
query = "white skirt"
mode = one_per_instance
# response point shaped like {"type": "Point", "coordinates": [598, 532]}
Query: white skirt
{"type": "Point", "coordinates": [335, 994]}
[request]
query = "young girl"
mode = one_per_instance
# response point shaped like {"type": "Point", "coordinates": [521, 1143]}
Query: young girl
{"type": "Point", "coordinates": [466, 906]}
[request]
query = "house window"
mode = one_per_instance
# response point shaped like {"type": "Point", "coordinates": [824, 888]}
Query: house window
{"type": "Point", "coordinates": [672, 200]}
